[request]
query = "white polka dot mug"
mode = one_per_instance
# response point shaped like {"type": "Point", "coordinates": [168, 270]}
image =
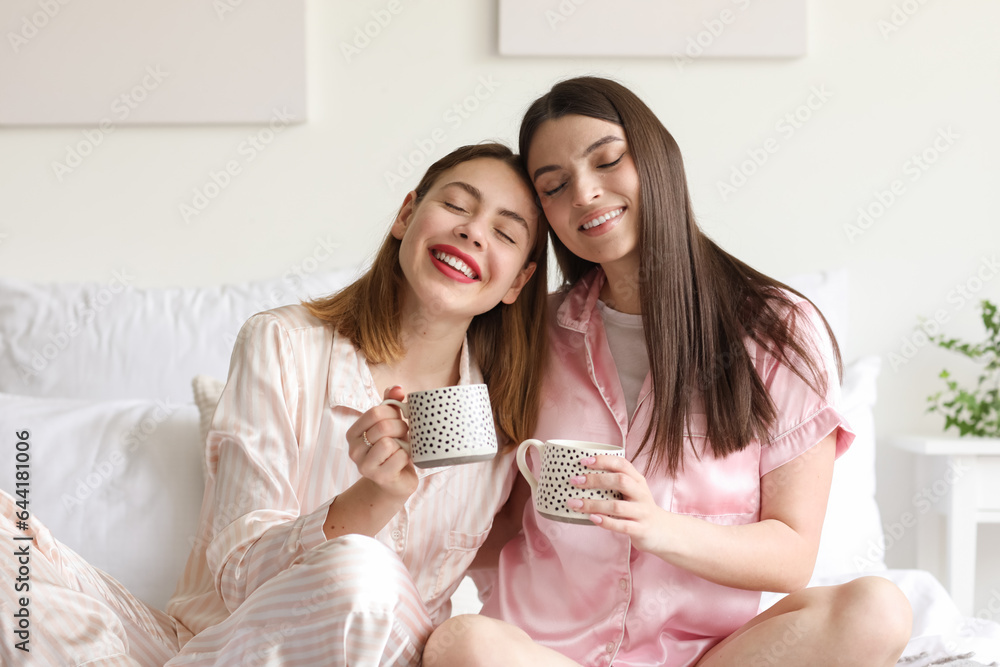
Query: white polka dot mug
{"type": "Point", "coordinates": [560, 460]}
{"type": "Point", "coordinates": [449, 425]}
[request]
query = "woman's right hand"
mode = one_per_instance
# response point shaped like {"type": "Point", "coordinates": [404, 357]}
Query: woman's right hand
{"type": "Point", "coordinates": [385, 463]}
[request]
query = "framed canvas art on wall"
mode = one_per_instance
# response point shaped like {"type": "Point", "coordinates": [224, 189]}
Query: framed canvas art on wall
{"type": "Point", "coordinates": [126, 62]}
{"type": "Point", "coordinates": [654, 28]}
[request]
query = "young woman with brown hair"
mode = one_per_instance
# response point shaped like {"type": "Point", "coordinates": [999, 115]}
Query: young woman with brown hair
{"type": "Point", "coordinates": [718, 381]}
{"type": "Point", "coordinates": [319, 542]}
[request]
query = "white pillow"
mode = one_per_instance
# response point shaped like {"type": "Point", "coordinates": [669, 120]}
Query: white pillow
{"type": "Point", "coordinates": [110, 340]}
{"type": "Point", "coordinates": [830, 291]}
{"type": "Point", "coordinates": [852, 539]}
{"type": "Point", "coordinates": [119, 482]}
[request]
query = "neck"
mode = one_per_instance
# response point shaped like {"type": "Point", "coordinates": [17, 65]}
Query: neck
{"type": "Point", "coordinates": [621, 286]}
{"type": "Point", "coordinates": [433, 347]}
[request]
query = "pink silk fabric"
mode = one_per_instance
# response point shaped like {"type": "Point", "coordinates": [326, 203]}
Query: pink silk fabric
{"type": "Point", "coordinates": [586, 592]}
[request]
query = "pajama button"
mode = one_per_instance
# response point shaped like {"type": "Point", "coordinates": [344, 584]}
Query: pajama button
{"type": "Point", "coordinates": [610, 647]}
{"type": "Point", "coordinates": [623, 584]}
{"type": "Point", "coordinates": [396, 534]}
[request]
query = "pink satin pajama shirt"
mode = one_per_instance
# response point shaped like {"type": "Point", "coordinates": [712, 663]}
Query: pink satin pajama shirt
{"type": "Point", "coordinates": [585, 591]}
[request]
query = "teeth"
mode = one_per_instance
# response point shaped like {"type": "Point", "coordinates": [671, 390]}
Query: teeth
{"type": "Point", "coordinates": [455, 263]}
{"type": "Point", "coordinates": [604, 218]}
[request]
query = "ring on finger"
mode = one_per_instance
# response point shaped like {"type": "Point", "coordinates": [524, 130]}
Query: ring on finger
{"type": "Point", "coordinates": [364, 438]}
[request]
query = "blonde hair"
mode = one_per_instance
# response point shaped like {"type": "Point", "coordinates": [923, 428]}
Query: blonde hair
{"type": "Point", "coordinates": [508, 341]}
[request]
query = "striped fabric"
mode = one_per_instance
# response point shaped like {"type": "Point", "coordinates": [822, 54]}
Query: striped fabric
{"type": "Point", "coordinates": [349, 601]}
{"type": "Point", "coordinates": [262, 585]}
{"type": "Point", "coordinates": [76, 612]}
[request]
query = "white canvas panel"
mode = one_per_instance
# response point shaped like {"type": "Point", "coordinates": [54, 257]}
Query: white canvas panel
{"type": "Point", "coordinates": [678, 28]}
{"type": "Point", "coordinates": [102, 62]}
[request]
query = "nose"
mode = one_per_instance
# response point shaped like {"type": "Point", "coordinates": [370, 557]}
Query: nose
{"type": "Point", "coordinates": [473, 229]}
{"type": "Point", "coordinates": [586, 188]}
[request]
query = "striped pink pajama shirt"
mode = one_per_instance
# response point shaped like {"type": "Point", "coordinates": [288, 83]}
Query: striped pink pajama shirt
{"type": "Point", "coordinates": [262, 584]}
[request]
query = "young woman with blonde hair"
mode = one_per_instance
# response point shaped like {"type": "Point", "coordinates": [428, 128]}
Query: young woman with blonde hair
{"type": "Point", "coordinates": [319, 541]}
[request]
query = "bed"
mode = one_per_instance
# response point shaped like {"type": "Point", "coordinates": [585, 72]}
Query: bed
{"type": "Point", "coordinates": [116, 385]}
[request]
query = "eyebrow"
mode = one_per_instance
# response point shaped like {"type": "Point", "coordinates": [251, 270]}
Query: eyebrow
{"type": "Point", "coordinates": [590, 149]}
{"type": "Point", "coordinates": [475, 192]}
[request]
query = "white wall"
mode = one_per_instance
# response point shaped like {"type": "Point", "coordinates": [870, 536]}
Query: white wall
{"type": "Point", "coordinates": [885, 99]}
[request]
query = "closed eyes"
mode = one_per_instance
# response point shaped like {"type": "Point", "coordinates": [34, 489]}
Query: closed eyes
{"type": "Point", "coordinates": [505, 237]}
{"type": "Point", "coordinates": [549, 193]}
{"type": "Point", "coordinates": [606, 165]}
{"type": "Point", "coordinates": [611, 164]}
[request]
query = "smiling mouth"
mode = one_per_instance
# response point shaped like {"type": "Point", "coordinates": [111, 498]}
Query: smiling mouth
{"type": "Point", "coordinates": [455, 263]}
{"type": "Point", "coordinates": [601, 219]}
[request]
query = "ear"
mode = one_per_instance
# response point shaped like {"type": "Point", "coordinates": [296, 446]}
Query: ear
{"type": "Point", "coordinates": [522, 279]}
{"type": "Point", "coordinates": [402, 220]}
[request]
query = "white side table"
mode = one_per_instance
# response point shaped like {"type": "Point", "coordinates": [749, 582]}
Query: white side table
{"type": "Point", "coordinates": [969, 491]}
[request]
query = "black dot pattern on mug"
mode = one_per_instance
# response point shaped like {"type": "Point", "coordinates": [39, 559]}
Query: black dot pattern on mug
{"type": "Point", "coordinates": [451, 421]}
{"type": "Point", "coordinates": [554, 487]}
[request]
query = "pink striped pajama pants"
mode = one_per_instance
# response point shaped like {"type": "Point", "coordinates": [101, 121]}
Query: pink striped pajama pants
{"type": "Point", "coordinates": [349, 601]}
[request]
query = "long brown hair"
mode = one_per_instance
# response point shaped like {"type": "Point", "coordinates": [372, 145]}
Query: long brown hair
{"type": "Point", "coordinates": [699, 303]}
{"type": "Point", "coordinates": [508, 341]}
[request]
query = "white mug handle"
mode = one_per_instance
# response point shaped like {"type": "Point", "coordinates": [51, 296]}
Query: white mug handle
{"type": "Point", "coordinates": [405, 410]}
{"type": "Point", "coordinates": [522, 463]}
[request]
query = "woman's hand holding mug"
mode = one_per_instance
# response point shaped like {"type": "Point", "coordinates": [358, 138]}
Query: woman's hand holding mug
{"type": "Point", "coordinates": [557, 490]}
{"type": "Point", "coordinates": [374, 446]}
{"type": "Point", "coordinates": [448, 425]}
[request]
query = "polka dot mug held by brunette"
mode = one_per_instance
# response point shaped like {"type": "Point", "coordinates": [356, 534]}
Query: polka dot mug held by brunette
{"type": "Point", "coordinates": [560, 463]}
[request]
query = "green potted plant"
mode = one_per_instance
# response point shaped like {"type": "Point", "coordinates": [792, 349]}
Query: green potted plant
{"type": "Point", "coordinates": [974, 412]}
